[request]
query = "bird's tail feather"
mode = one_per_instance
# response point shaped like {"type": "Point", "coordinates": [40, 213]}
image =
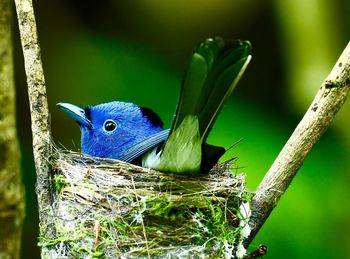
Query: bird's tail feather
{"type": "Point", "coordinates": [213, 72]}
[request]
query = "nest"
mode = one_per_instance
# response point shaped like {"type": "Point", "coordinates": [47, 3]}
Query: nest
{"type": "Point", "coordinates": [112, 209]}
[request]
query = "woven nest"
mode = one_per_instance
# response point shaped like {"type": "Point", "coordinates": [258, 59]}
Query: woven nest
{"type": "Point", "coordinates": [111, 209]}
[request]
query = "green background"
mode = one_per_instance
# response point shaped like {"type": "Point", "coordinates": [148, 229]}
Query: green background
{"type": "Point", "coordinates": [99, 51]}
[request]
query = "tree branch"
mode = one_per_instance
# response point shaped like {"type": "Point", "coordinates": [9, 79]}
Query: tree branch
{"type": "Point", "coordinates": [37, 97]}
{"type": "Point", "coordinates": [11, 189]}
{"type": "Point", "coordinates": [329, 99]}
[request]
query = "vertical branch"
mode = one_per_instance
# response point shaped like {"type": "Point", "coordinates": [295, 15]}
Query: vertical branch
{"type": "Point", "coordinates": [321, 112]}
{"type": "Point", "coordinates": [37, 97]}
{"type": "Point", "coordinates": [11, 189]}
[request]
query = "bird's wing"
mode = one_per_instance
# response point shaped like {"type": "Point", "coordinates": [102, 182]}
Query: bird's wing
{"type": "Point", "coordinates": [213, 72]}
{"type": "Point", "coordinates": [140, 148]}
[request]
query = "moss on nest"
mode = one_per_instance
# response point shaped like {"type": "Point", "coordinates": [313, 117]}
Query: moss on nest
{"type": "Point", "coordinates": [111, 209]}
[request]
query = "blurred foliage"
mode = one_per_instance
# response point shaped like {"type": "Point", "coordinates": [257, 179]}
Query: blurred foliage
{"type": "Point", "coordinates": [305, 25]}
{"type": "Point", "coordinates": [136, 51]}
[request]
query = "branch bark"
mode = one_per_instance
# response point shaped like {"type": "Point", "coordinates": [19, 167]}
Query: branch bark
{"type": "Point", "coordinates": [36, 90]}
{"type": "Point", "coordinates": [11, 189]}
{"type": "Point", "coordinates": [328, 101]}
{"type": "Point", "coordinates": [37, 100]}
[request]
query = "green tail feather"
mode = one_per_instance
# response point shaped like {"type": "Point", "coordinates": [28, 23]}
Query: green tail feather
{"type": "Point", "coordinates": [213, 72]}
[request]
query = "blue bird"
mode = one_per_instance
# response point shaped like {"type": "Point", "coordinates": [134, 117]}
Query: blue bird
{"type": "Point", "coordinates": [128, 132]}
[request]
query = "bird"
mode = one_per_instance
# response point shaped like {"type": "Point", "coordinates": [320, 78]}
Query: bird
{"type": "Point", "coordinates": [131, 133]}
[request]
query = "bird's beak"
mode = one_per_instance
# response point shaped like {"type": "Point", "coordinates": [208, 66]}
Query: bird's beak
{"type": "Point", "coordinates": [76, 113]}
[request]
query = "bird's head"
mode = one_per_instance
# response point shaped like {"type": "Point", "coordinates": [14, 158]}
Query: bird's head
{"type": "Point", "coordinates": [110, 128]}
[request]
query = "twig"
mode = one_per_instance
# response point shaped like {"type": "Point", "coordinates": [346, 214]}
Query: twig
{"type": "Point", "coordinates": [257, 253]}
{"type": "Point", "coordinates": [37, 97]}
{"type": "Point", "coordinates": [329, 99]}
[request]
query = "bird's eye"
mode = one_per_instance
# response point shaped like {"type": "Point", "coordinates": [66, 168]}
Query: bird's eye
{"type": "Point", "coordinates": [109, 126]}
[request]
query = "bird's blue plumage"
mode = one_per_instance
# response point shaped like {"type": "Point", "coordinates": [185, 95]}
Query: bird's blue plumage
{"type": "Point", "coordinates": [132, 125]}
{"type": "Point", "coordinates": [125, 131]}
